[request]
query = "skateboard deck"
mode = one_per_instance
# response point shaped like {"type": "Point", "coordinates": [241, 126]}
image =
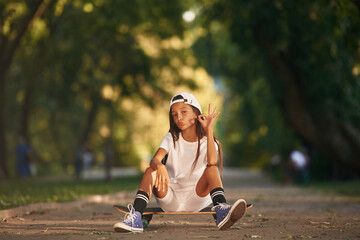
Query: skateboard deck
{"type": "Point", "coordinates": [157, 210]}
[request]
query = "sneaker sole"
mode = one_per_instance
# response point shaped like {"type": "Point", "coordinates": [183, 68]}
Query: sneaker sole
{"type": "Point", "coordinates": [120, 227]}
{"type": "Point", "coordinates": [236, 212]}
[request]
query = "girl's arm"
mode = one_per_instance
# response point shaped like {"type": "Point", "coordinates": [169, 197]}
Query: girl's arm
{"type": "Point", "coordinates": [207, 122]}
{"type": "Point", "coordinates": [159, 155]}
{"type": "Point", "coordinates": [212, 156]}
{"type": "Point", "coordinates": [162, 177]}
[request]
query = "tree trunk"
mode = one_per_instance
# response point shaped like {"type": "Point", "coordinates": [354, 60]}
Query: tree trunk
{"type": "Point", "coordinates": [8, 49]}
{"type": "Point", "coordinates": [95, 98]}
{"type": "Point", "coordinates": [32, 72]}
{"type": "Point", "coordinates": [339, 141]}
{"type": "Point", "coordinates": [27, 105]}
{"type": "Point", "coordinates": [3, 146]}
{"type": "Point", "coordinates": [65, 160]}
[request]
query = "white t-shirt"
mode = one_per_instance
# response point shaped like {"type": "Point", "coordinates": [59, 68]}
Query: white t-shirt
{"type": "Point", "coordinates": [180, 161]}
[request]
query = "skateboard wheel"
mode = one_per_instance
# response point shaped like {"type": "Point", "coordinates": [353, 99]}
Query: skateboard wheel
{"type": "Point", "coordinates": [145, 222]}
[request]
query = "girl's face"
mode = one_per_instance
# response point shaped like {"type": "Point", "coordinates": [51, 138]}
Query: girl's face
{"type": "Point", "coordinates": [183, 115]}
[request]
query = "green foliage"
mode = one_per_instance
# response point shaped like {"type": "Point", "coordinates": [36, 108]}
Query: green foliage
{"type": "Point", "coordinates": [16, 193]}
{"type": "Point", "coordinates": [252, 125]}
{"type": "Point", "coordinates": [94, 71]}
{"type": "Point", "coordinates": [81, 48]}
{"type": "Point", "coordinates": [257, 46]}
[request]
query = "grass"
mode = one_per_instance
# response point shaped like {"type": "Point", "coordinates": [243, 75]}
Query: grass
{"type": "Point", "coordinates": [345, 188]}
{"type": "Point", "coordinates": [14, 193]}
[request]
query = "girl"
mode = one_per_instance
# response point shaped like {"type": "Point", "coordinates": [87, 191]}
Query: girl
{"type": "Point", "coordinates": [189, 180]}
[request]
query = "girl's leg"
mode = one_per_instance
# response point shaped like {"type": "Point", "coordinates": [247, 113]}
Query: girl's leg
{"type": "Point", "coordinates": [134, 221]}
{"type": "Point", "coordinates": [146, 189]}
{"type": "Point", "coordinates": [148, 182]}
{"type": "Point", "coordinates": [210, 182]}
{"type": "Point", "coordinates": [226, 215]}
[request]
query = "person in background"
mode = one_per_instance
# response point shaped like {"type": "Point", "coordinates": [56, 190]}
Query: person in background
{"type": "Point", "coordinates": [23, 157]}
{"type": "Point", "coordinates": [300, 165]}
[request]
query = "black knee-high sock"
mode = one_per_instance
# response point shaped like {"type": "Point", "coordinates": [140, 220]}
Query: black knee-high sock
{"type": "Point", "coordinates": [141, 200]}
{"type": "Point", "coordinates": [218, 196]}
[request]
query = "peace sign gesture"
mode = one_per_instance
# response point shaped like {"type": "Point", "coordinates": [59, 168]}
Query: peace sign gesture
{"type": "Point", "coordinates": [207, 120]}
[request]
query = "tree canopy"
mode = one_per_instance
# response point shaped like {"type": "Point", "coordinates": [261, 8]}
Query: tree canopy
{"type": "Point", "coordinates": [91, 73]}
{"type": "Point", "coordinates": [289, 65]}
{"type": "Point", "coordinates": [101, 73]}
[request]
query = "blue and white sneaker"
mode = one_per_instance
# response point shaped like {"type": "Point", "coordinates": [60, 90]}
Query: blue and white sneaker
{"type": "Point", "coordinates": [132, 222]}
{"type": "Point", "coordinates": [227, 215]}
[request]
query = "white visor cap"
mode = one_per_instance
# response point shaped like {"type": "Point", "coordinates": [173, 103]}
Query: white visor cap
{"type": "Point", "coordinates": [188, 99]}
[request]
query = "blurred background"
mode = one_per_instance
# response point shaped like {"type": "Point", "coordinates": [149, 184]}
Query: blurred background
{"type": "Point", "coordinates": [86, 84]}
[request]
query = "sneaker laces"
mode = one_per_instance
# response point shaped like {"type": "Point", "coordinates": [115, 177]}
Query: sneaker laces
{"type": "Point", "coordinates": [131, 216]}
{"type": "Point", "coordinates": [222, 206]}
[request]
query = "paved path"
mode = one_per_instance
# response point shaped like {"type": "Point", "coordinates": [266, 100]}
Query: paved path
{"type": "Point", "coordinates": [278, 213]}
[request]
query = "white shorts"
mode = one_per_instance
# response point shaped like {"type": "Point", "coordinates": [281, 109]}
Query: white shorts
{"type": "Point", "coordinates": [183, 201]}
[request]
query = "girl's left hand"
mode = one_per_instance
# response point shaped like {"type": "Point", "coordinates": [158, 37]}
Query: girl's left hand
{"type": "Point", "coordinates": [207, 120]}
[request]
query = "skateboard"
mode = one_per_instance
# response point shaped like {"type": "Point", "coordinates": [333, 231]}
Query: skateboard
{"type": "Point", "coordinates": [149, 212]}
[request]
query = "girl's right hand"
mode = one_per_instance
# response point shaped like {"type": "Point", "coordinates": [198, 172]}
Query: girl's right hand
{"type": "Point", "coordinates": [207, 121]}
{"type": "Point", "coordinates": [162, 181]}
